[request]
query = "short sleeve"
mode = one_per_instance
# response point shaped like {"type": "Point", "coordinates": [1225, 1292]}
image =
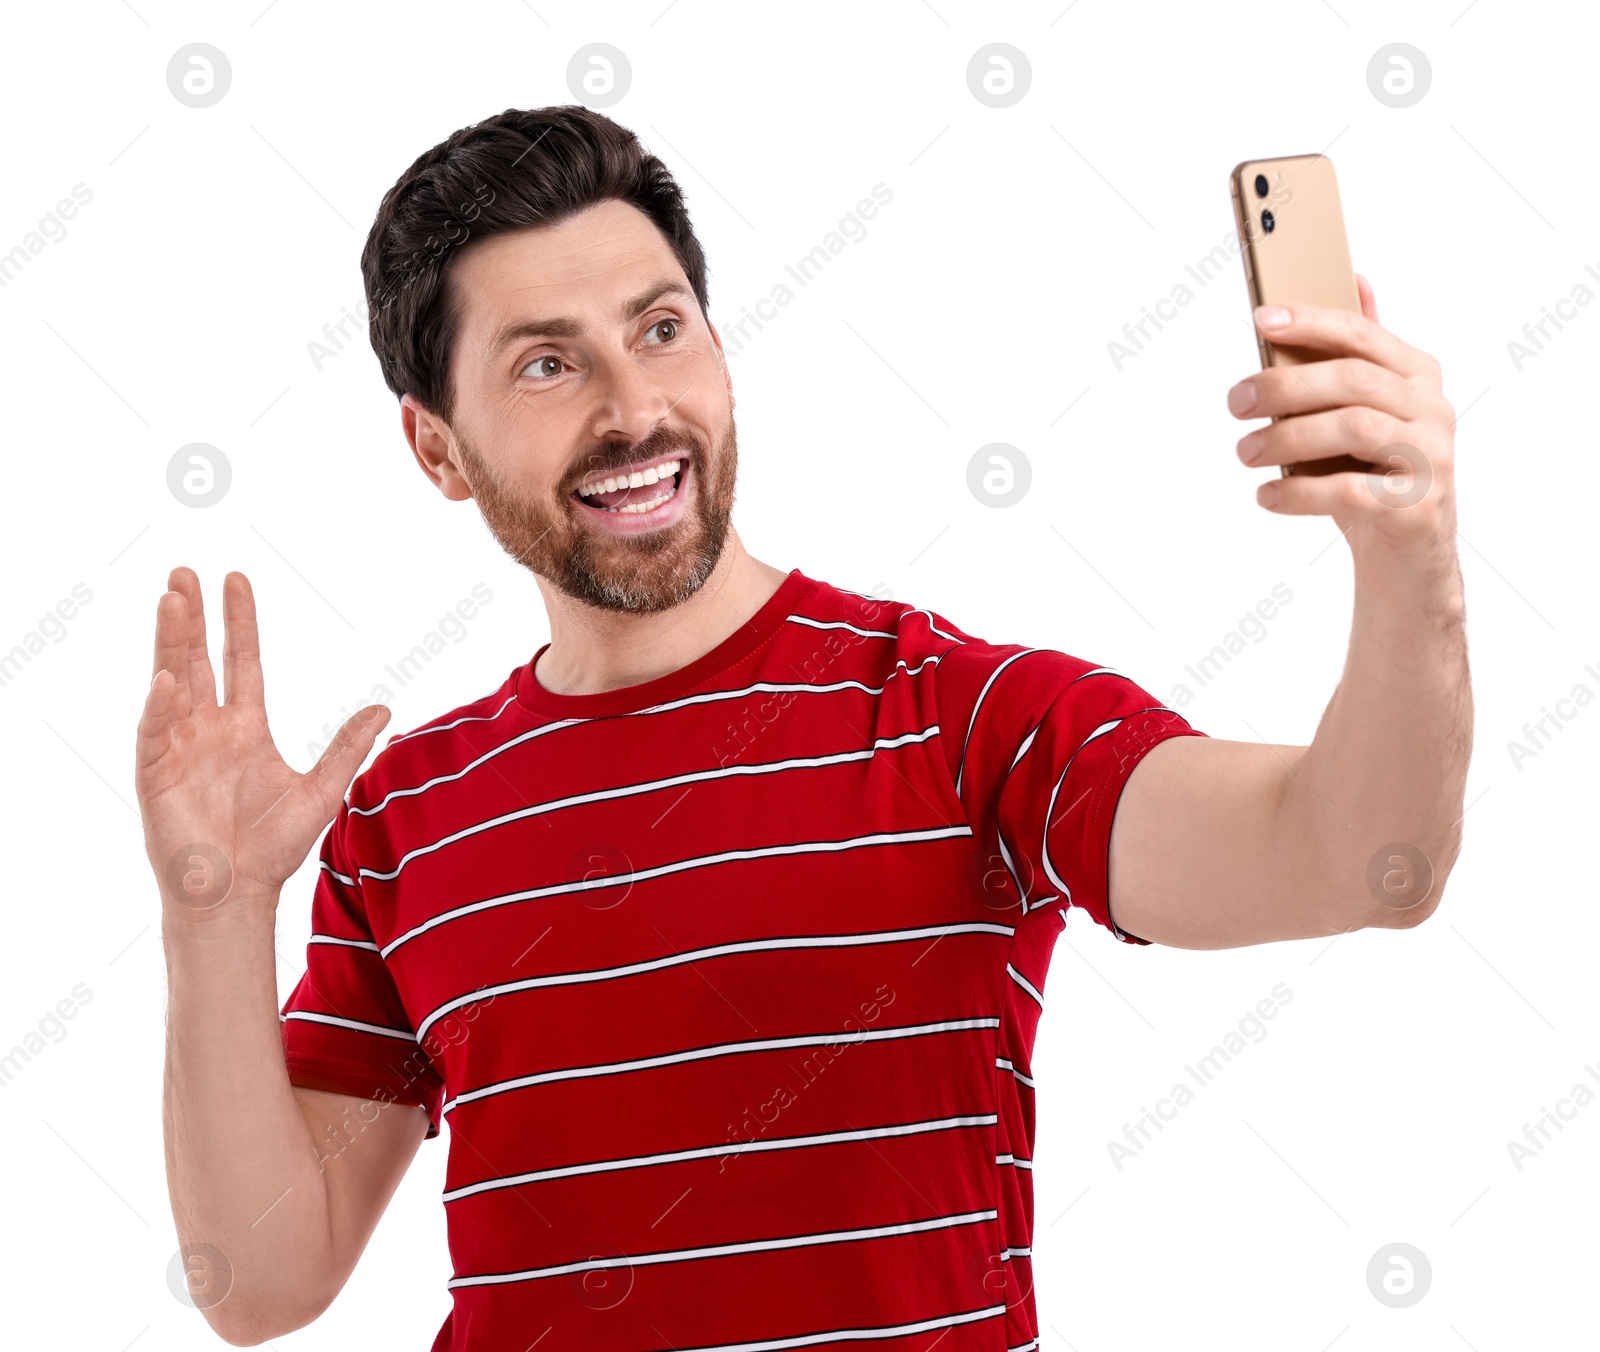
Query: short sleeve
{"type": "Point", "coordinates": [344, 1027]}
{"type": "Point", "coordinates": [1040, 745]}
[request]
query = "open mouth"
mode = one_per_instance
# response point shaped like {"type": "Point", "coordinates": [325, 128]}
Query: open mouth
{"type": "Point", "coordinates": [637, 493]}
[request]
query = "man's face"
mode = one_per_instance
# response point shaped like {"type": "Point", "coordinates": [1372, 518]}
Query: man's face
{"type": "Point", "coordinates": [582, 353]}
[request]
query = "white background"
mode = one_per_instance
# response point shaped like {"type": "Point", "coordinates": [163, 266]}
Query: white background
{"type": "Point", "coordinates": [219, 241]}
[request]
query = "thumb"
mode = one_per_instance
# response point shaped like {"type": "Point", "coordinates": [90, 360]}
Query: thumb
{"type": "Point", "coordinates": [1369, 302]}
{"type": "Point", "coordinates": [350, 746]}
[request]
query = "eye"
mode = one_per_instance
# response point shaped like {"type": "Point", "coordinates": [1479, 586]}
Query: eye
{"type": "Point", "coordinates": [540, 366]}
{"type": "Point", "coordinates": [665, 324]}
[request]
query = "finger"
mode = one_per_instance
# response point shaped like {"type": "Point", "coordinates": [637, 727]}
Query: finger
{"type": "Point", "coordinates": [1357, 430]}
{"type": "Point", "coordinates": [1345, 493]}
{"type": "Point", "coordinates": [202, 684]}
{"type": "Point", "coordinates": [1320, 385]}
{"type": "Point", "coordinates": [1340, 333]}
{"type": "Point", "coordinates": [1369, 302]}
{"type": "Point", "coordinates": [155, 723]}
{"type": "Point", "coordinates": [172, 649]}
{"type": "Point", "coordinates": [342, 757]}
{"type": "Point", "coordinates": [241, 645]}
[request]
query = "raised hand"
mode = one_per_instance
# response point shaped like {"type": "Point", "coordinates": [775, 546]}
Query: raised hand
{"type": "Point", "coordinates": [1381, 400]}
{"type": "Point", "coordinates": [226, 820]}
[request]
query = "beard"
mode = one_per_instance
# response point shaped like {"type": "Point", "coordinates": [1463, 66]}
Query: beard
{"type": "Point", "coordinates": [634, 574]}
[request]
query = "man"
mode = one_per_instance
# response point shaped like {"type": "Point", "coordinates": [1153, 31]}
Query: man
{"type": "Point", "coordinates": [719, 930]}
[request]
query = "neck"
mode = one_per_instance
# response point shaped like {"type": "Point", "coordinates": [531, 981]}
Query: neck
{"type": "Point", "coordinates": [592, 650]}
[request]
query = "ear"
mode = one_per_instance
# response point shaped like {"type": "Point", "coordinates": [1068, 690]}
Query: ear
{"type": "Point", "coordinates": [433, 444]}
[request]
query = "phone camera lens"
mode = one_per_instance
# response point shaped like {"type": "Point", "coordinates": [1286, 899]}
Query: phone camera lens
{"type": "Point", "coordinates": [1261, 185]}
{"type": "Point", "coordinates": [1268, 221]}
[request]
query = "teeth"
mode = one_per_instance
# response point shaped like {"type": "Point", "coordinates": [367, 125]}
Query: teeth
{"type": "Point", "coordinates": [637, 479]}
{"type": "Point", "coordinates": [644, 506]}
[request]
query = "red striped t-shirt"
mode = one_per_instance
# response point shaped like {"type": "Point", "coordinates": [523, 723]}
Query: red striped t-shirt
{"type": "Point", "coordinates": [728, 982]}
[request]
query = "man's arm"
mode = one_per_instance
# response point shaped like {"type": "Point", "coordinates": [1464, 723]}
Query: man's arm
{"type": "Point", "coordinates": [272, 1198]}
{"type": "Point", "coordinates": [1217, 844]}
{"type": "Point", "coordinates": [274, 1192]}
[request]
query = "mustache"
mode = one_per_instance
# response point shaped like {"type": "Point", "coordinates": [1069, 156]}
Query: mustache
{"type": "Point", "coordinates": [612, 456]}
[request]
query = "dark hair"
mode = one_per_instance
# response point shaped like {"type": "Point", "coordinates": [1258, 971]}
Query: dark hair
{"type": "Point", "coordinates": [518, 170]}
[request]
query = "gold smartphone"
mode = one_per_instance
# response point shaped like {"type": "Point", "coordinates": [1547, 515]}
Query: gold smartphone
{"type": "Point", "coordinates": [1291, 230]}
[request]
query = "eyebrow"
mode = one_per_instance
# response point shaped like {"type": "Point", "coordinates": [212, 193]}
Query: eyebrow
{"type": "Point", "coordinates": [565, 327]}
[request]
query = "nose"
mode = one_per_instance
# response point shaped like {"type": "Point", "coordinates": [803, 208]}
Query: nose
{"type": "Point", "coordinates": [629, 402]}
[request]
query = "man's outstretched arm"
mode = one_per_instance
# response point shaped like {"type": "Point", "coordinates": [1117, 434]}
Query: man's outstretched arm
{"type": "Point", "coordinates": [1220, 843]}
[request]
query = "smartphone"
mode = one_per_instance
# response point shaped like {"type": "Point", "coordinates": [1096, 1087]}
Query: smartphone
{"type": "Point", "coordinates": [1293, 244]}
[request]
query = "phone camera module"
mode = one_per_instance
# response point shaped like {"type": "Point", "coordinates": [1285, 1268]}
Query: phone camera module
{"type": "Point", "coordinates": [1268, 221]}
{"type": "Point", "coordinates": [1261, 185]}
